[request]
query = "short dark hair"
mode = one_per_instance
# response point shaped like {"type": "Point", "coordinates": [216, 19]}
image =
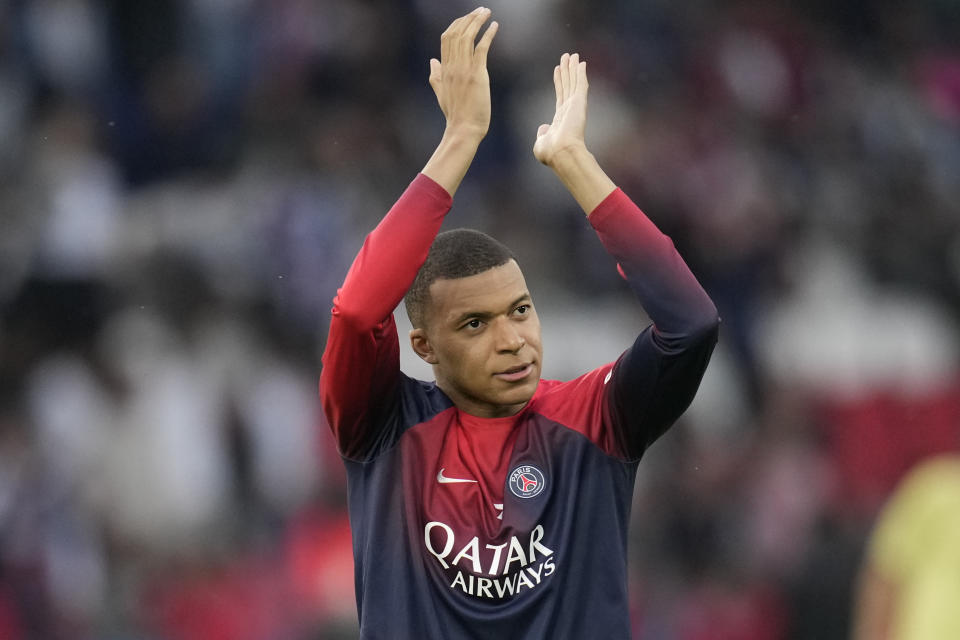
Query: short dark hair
{"type": "Point", "coordinates": [457, 253]}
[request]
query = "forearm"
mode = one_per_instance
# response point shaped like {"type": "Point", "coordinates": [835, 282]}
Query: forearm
{"type": "Point", "coordinates": [658, 376]}
{"type": "Point", "coordinates": [361, 357]}
{"type": "Point", "coordinates": [452, 158]}
{"type": "Point", "coordinates": [583, 177]}
{"type": "Point", "coordinates": [661, 279]}
{"type": "Point", "coordinates": [665, 286]}
{"type": "Point", "coordinates": [392, 254]}
{"type": "Point", "coordinates": [361, 365]}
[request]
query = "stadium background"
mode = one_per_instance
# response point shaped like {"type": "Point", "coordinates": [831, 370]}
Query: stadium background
{"type": "Point", "coordinates": [183, 185]}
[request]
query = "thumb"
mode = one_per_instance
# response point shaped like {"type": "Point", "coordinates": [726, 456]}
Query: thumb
{"type": "Point", "coordinates": [434, 73]}
{"type": "Point", "coordinates": [542, 130]}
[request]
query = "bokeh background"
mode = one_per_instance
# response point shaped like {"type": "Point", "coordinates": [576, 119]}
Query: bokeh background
{"type": "Point", "coordinates": [184, 183]}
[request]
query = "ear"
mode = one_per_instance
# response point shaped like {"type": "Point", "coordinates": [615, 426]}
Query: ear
{"type": "Point", "coordinates": [421, 345]}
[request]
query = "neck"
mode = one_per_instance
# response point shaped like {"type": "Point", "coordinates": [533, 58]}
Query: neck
{"type": "Point", "coordinates": [476, 407]}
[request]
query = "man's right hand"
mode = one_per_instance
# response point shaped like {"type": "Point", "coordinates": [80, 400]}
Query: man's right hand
{"type": "Point", "coordinates": [566, 132]}
{"type": "Point", "coordinates": [560, 145]}
{"type": "Point", "coordinates": [460, 77]}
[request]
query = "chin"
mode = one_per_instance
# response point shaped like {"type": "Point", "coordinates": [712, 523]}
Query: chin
{"type": "Point", "coordinates": [520, 395]}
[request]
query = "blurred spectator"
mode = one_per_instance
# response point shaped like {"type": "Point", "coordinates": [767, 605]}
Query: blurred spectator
{"type": "Point", "coordinates": [908, 586]}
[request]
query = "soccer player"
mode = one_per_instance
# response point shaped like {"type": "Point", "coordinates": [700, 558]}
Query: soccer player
{"type": "Point", "coordinates": [491, 503]}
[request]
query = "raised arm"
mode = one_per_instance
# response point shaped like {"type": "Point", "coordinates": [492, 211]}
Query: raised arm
{"type": "Point", "coordinates": [361, 365]}
{"type": "Point", "coordinates": [656, 378]}
{"type": "Point", "coordinates": [646, 257]}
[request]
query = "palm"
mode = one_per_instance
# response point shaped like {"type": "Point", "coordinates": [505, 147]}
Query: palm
{"type": "Point", "coordinates": [567, 129]}
{"type": "Point", "coordinates": [570, 119]}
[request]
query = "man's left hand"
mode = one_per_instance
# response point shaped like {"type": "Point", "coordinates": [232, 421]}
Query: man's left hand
{"type": "Point", "coordinates": [566, 132]}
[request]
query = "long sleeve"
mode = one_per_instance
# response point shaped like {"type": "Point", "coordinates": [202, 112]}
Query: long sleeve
{"type": "Point", "coordinates": [656, 379]}
{"type": "Point", "coordinates": [361, 362]}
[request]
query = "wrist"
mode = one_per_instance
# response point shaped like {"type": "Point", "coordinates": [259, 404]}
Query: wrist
{"type": "Point", "coordinates": [464, 134]}
{"type": "Point", "coordinates": [580, 173]}
{"type": "Point", "coordinates": [570, 158]}
{"type": "Point", "coordinates": [452, 157]}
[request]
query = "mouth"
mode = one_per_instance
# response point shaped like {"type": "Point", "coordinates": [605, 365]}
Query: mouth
{"type": "Point", "coordinates": [515, 374]}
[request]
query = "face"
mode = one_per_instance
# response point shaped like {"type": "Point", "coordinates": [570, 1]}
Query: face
{"type": "Point", "coordinates": [482, 336]}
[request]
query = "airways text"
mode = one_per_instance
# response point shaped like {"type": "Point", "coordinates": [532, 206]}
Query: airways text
{"type": "Point", "coordinates": [494, 571]}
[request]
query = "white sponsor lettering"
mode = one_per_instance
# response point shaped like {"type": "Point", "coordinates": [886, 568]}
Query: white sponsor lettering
{"type": "Point", "coordinates": [548, 567]}
{"type": "Point", "coordinates": [472, 552]}
{"type": "Point", "coordinates": [446, 547]}
{"type": "Point", "coordinates": [483, 587]}
{"type": "Point", "coordinates": [535, 537]}
{"type": "Point", "coordinates": [498, 588]}
{"type": "Point", "coordinates": [504, 587]}
{"type": "Point", "coordinates": [525, 565]}
{"type": "Point", "coordinates": [536, 572]}
{"type": "Point", "coordinates": [496, 557]}
{"type": "Point", "coordinates": [515, 554]}
{"type": "Point", "coordinates": [523, 580]}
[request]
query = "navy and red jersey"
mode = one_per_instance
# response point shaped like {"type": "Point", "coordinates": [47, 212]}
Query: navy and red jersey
{"type": "Point", "coordinates": [516, 527]}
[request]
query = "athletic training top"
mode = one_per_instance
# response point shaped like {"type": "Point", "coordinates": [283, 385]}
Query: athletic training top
{"type": "Point", "coordinates": [466, 527]}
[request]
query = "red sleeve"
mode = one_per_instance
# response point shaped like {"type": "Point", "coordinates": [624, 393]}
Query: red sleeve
{"type": "Point", "coordinates": [668, 291]}
{"type": "Point", "coordinates": [361, 361]}
{"type": "Point", "coordinates": [655, 380]}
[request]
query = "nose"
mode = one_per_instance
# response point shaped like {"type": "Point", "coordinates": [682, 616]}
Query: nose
{"type": "Point", "coordinates": [509, 338]}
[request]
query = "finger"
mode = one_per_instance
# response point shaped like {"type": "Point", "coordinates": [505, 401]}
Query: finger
{"type": "Point", "coordinates": [582, 82]}
{"type": "Point", "coordinates": [457, 25]}
{"type": "Point", "coordinates": [574, 63]}
{"type": "Point", "coordinates": [456, 37]}
{"type": "Point", "coordinates": [449, 39]}
{"type": "Point", "coordinates": [557, 86]}
{"type": "Point", "coordinates": [446, 43]}
{"type": "Point", "coordinates": [564, 77]}
{"type": "Point", "coordinates": [435, 73]}
{"type": "Point", "coordinates": [452, 28]}
{"type": "Point", "coordinates": [484, 45]}
{"type": "Point", "coordinates": [472, 28]}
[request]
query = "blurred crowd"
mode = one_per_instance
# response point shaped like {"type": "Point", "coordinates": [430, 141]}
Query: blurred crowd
{"type": "Point", "coordinates": [183, 184]}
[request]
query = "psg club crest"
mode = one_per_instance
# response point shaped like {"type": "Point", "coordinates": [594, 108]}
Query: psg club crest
{"type": "Point", "coordinates": [527, 481]}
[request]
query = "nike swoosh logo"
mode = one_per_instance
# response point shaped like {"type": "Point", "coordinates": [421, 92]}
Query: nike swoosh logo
{"type": "Point", "coordinates": [442, 479]}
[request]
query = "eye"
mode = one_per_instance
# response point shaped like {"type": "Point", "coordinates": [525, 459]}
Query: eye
{"type": "Point", "coordinates": [522, 309]}
{"type": "Point", "coordinates": [473, 324]}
